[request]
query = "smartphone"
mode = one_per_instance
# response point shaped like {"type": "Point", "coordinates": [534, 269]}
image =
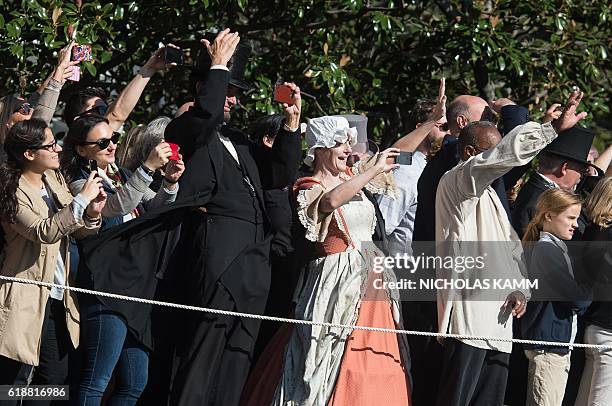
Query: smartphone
{"type": "Point", "coordinates": [283, 94]}
{"type": "Point", "coordinates": [404, 158]}
{"type": "Point", "coordinates": [82, 53]}
{"type": "Point", "coordinates": [92, 165]}
{"type": "Point", "coordinates": [173, 55]}
{"type": "Point", "coordinates": [76, 74]}
{"type": "Point", "coordinates": [175, 151]}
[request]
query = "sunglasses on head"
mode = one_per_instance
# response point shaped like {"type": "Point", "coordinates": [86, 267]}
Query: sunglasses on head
{"type": "Point", "coordinates": [23, 108]}
{"type": "Point", "coordinates": [99, 108]}
{"type": "Point", "coordinates": [103, 143]}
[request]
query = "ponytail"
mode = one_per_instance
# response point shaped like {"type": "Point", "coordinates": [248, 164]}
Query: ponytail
{"type": "Point", "coordinates": [533, 229]}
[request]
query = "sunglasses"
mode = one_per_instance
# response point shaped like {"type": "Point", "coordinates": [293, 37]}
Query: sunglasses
{"type": "Point", "coordinates": [24, 108]}
{"type": "Point", "coordinates": [103, 143]}
{"type": "Point", "coordinates": [48, 147]}
{"type": "Point", "coordinates": [99, 109]}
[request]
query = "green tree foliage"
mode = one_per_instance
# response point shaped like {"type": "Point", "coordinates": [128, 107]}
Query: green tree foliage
{"type": "Point", "coordinates": [375, 57]}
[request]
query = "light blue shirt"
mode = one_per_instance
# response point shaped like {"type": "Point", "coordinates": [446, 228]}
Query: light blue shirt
{"type": "Point", "coordinates": [399, 213]}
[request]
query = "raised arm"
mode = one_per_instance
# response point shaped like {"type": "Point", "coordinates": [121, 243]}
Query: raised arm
{"type": "Point", "coordinates": [517, 148]}
{"type": "Point", "coordinates": [47, 102]}
{"type": "Point", "coordinates": [344, 192]}
{"type": "Point", "coordinates": [119, 111]}
{"type": "Point", "coordinates": [412, 140]}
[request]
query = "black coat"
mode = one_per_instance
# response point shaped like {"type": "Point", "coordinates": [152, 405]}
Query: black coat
{"type": "Point", "coordinates": [224, 260]}
{"type": "Point", "coordinates": [524, 207]}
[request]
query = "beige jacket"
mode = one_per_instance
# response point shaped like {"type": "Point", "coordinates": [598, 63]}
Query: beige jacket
{"type": "Point", "coordinates": [468, 210]}
{"type": "Point", "coordinates": [32, 246]}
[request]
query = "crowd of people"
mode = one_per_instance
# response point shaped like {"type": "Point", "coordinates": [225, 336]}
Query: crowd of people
{"type": "Point", "coordinates": [252, 224]}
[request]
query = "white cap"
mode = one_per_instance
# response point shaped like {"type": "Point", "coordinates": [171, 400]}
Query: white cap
{"type": "Point", "coordinates": [325, 132]}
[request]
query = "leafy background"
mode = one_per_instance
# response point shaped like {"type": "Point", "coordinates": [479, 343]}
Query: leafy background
{"type": "Point", "coordinates": [374, 57]}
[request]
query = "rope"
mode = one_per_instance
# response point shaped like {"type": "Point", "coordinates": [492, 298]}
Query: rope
{"type": "Point", "coordinates": [305, 322]}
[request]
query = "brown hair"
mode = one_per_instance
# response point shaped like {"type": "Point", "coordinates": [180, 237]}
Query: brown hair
{"type": "Point", "coordinates": [553, 200]}
{"type": "Point", "coordinates": [599, 203]}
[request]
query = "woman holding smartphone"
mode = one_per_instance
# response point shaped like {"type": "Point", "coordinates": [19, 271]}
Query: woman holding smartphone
{"type": "Point", "coordinates": [108, 341]}
{"type": "Point", "coordinates": [39, 326]}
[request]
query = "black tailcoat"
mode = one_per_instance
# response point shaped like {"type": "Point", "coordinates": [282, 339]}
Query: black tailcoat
{"type": "Point", "coordinates": [225, 254]}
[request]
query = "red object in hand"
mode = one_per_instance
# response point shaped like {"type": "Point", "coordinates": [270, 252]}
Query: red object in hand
{"type": "Point", "coordinates": [175, 151]}
{"type": "Point", "coordinates": [283, 94]}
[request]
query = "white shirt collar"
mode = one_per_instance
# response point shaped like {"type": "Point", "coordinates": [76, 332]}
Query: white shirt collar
{"type": "Point", "coordinates": [549, 181]}
{"type": "Point", "coordinates": [546, 236]}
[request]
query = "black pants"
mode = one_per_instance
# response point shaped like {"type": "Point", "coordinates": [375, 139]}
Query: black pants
{"type": "Point", "coordinates": [472, 376]}
{"type": "Point", "coordinates": [55, 346]}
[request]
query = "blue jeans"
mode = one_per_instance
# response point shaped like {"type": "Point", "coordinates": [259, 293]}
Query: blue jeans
{"type": "Point", "coordinates": [106, 345]}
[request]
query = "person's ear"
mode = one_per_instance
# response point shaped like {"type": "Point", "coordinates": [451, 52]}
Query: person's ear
{"type": "Point", "coordinates": [547, 216]}
{"type": "Point", "coordinates": [469, 151]}
{"type": "Point", "coordinates": [80, 150]}
{"type": "Point", "coordinates": [563, 169]}
{"type": "Point", "coordinates": [462, 121]}
{"type": "Point", "coordinates": [267, 141]}
{"type": "Point", "coordinates": [29, 155]}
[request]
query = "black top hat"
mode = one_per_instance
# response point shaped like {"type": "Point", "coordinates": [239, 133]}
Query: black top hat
{"type": "Point", "coordinates": [573, 144]}
{"type": "Point", "coordinates": [236, 65]}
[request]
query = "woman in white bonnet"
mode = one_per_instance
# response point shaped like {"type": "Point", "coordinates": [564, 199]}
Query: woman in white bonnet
{"type": "Point", "coordinates": [331, 366]}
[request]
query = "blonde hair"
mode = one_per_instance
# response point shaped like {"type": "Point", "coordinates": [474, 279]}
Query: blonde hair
{"type": "Point", "coordinates": [552, 201]}
{"type": "Point", "coordinates": [599, 203]}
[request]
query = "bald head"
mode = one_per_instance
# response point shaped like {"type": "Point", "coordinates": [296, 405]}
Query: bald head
{"type": "Point", "coordinates": [465, 109]}
{"type": "Point", "coordinates": [477, 137]}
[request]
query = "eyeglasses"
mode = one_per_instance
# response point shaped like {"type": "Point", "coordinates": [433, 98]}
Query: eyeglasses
{"type": "Point", "coordinates": [103, 143]}
{"type": "Point", "coordinates": [23, 108]}
{"type": "Point", "coordinates": [48, 147]}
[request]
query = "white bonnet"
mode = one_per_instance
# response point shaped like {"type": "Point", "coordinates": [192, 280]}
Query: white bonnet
{"type": "Point", "coordinates": [325, 132]}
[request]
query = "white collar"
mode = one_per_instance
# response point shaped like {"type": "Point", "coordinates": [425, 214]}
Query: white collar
{"type": "Point", "coordinates": [549, 181]}
{"type": "Point", "coordinates": [546, 236]}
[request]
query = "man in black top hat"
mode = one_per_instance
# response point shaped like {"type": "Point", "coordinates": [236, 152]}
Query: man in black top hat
{"type": "Point", "coordinates": [562, 164]}
{"type": "Point", "coordinates": [226, 241]}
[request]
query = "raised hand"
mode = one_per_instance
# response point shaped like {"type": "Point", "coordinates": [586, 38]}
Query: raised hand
{"type": "Point", "coordinates": [92, 187]}
{"type": "Point", "coordinates": [174, 170]}
{"type": "Point", "coordinates": [383, 163]}
{"type": "Point", "coordinates": [293, 111]}
{"type": "Point", "coordinates": [552, 113]}
{"type": "Point", "coordinates": [439, 110]}
{"type": "Point", "coordinates": [222, 49]}
{"type": "Point", "coordinates": [157, 61]}
{"type": "Point", "coordinates": [94, 209]}
{"type": "Point", "coordinates": [496, 105]}
{"type": "Point", "coordinates": [63, 70]}
{"type": "Point", "coordinates": [159, 156]}
{"type": "Point", "coordinates": [568, 117]}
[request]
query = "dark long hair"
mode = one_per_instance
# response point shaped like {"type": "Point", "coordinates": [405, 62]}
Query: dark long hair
{"type": "Point", "coordinates": [22, 136]}
{"type": "Point", "coordinates": [70, 161]}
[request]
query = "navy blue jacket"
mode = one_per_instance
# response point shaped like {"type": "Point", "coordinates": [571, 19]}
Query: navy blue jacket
{"type": "Point", "coordinates": [551, 320]}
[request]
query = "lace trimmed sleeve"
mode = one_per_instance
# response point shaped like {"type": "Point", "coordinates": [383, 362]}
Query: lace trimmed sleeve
{"type": "Point", "coordinates": [314, 221]}
{"type": "Point", "coordinates": [383, 184]}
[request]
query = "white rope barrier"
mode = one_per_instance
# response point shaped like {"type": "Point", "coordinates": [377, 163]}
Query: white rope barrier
{"type": "Point", "coordinates": [304, 322]}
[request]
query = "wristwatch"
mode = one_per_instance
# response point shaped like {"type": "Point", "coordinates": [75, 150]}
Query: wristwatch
{"type": "Point", "coordinates": [148, 171]}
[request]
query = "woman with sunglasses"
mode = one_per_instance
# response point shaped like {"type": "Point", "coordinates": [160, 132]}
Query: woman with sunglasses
{"type": "Point", "coordinates": [39, 326]}
{"type": "Point", "coordinates": [107, 340]}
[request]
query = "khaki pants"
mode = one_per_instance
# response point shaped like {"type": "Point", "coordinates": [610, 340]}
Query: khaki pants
{"type": "Point", "coordinates": [595, 388]}
{"type": "Point", "coordinates": [547, 377]}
